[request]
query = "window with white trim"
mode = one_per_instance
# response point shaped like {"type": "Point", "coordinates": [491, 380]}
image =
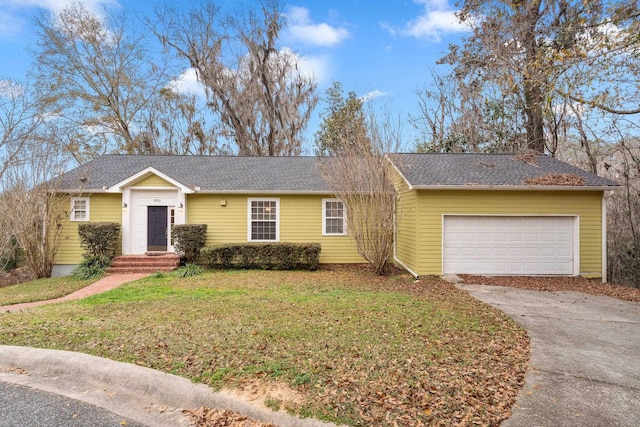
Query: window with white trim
{"type": "Point", "coordinates": [264, 220]}
{"type": "Point", "coordinates": [334, 219]}
{"type": "Point", "coordinates": [79, 209]}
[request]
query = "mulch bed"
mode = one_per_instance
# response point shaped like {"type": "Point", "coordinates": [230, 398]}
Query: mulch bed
{"type": "Point", "coordinates": [19, 275]}
{"type": "Point", "coordinates": [557, 284]}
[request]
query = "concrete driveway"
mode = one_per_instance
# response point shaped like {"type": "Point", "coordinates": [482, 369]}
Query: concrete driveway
{"type": "Point", "coordinates": [585, 357]}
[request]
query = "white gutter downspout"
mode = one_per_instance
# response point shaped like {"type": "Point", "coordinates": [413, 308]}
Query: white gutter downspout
{"type": "Point", "coordinates": [395, 245]}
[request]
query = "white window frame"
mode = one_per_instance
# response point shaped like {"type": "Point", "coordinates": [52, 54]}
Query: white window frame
{"type": "Point", "coordinates": [73, 209]}
{"type": "Point", "coordinates": [324, 218]}
{"type": "Point", "coordinates": [250, 220]}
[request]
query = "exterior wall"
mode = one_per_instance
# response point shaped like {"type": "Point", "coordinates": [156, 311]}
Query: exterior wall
{"type": "Point", "coordinates": [300, 222]}
{"type": "Point", "coordinates": [102, 208]}
{"type": "Point", "coordinates": [406, 226]}
{"type": "Point", "coordinates": [432, 205]}
{"type": "Point", "coordinates": [153, 181]}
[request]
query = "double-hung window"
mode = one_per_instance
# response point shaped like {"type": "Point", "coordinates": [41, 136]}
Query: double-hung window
{"type": "Point", "coordinates": [334, 219]}
{"type": "Point", "coordinates": [264, 220]}
{"type": "Point", "coordinates": [79, 209]}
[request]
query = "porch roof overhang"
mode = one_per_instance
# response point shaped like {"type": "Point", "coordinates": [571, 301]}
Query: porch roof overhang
{"type": "Point", "coordinates": [120, 186]}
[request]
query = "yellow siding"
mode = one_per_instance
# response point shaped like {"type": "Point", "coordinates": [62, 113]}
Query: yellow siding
{"type": "Point", "coordinates": [432, 205]}
{"type": "Point", "coordinates": [300, 222]}
{"type": "Point", "coordinates": [153, 181]}
{"type": "Point", "coordinates": [406, 225]}
{"type": "Point", "coordinates": [102, 208]}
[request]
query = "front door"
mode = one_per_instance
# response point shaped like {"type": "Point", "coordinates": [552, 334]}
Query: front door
{"type": "Point", "coordinates": [156, 228]}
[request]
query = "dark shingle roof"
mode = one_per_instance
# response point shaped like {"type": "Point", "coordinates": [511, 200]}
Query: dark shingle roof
{"type": "Point", "coordinates": [449, 169]}
{"type": "Point", "coordinates": [301, 174]}
{"type": "Point", "coordinates": [210, 173]}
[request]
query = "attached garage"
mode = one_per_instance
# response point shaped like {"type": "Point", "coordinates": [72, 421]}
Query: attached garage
{"type": "Point", "coordinates": [499, 214]}
{"type": "Point", "coordinates": [510, 245]}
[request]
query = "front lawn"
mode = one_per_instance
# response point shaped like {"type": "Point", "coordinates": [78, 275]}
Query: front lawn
{"type": "Point", "coordinates": [343, 346]}
{"type": "Point", "coordinates": [40, 290]}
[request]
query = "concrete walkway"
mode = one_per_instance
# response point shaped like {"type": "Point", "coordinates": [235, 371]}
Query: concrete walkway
{"type": "Point", "coordinates": [585, 357]}
{"type": "Point", "coordinates": [105, 284]}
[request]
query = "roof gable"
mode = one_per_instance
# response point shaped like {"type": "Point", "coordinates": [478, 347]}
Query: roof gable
{"type": "Point", "coordinates": [142, 175]}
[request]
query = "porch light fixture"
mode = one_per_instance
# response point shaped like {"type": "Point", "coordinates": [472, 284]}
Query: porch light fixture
{"type": "Point", "coordinates": [180, 206]}
{"type": "Point", "coordinates": [124, 205]}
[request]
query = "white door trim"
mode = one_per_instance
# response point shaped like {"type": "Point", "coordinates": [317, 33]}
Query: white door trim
{"type": "Point", "coordinates": [134, 216]}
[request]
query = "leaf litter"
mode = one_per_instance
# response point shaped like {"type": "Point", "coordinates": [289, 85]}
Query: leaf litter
{"type": "Point", "coordinates": [348, 347]}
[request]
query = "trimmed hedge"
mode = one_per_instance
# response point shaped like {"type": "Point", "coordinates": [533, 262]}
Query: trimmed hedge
{"type": "Point", "coordinates": [99, 239]}
{"type": "Point", "coordinates": [265, 256]}
{"type": "Point", "coordinates": [188, 239]}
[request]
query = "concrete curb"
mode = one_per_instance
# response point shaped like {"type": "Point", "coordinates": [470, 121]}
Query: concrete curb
{"type": "Point", "coordinates": [140, 394]}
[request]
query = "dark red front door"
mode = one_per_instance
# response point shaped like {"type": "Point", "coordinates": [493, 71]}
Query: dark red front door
{"type": "Point", "coordinates": [156, 228]}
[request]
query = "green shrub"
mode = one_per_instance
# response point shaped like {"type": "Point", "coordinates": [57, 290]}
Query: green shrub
{"type": "Point", "coordinates": [188, 239]}
{"type": "Point", "coordinates": [266, 256]}
{"type": "Point", "coordinates": [188, 270]}
{"type": "Point", "coordinates": [91, 268]}
{"type": "Point", "coordinates": [99, 239]}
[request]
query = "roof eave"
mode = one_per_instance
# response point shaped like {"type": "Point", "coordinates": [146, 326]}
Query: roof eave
{"type": "Point", "coordinates": [266, 192]}
{"type": "Point", "coordinates": [79, 190]}
{"type": "Point", "coordinates": [518, 187]}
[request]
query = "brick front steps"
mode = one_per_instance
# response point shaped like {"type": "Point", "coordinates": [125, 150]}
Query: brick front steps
{"type": "Point", "coordinates": [147, 263]}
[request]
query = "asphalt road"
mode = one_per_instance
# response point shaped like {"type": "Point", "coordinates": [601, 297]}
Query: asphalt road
{"type": "Point", "coordinates": [25, 406]}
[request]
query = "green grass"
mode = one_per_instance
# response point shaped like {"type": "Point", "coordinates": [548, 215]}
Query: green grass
{"type": "Point", "coordinates": [355, 348]}
{"type": "Point", "coordinates": [41, 289]}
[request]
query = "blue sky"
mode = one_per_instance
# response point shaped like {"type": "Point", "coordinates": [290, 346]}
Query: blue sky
{"type": "Point", "coordinates": [383, 49]}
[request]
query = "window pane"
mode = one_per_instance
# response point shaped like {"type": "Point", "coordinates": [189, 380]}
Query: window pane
{"type": "Point", "coordinates": [334, 217]}
{"type": "Point", "coordinates": [262, 210]}
{"type": "Point", "coordinates": [263, 230]}
{"type": "Point", "coordinates": [334, 226]}
{"type": "Point", "coordinates": [263, 219]}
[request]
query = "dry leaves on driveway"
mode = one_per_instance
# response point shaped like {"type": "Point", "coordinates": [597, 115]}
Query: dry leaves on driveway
{"type": "Point", "coordinates": [557, 284]}
{"type": "Point", "coordinates": [211, 417]}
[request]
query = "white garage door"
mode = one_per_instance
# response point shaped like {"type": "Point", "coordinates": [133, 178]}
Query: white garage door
{"type": "Point", "coordinates": [507, 245]}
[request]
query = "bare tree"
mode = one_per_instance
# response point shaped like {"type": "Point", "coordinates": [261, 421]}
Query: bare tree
{"type": "Point", "coordinates": [104, 84]}
{"type": "Point", "coordinates": [623, 165]}
{"type": "Point", "coordinates": [534, 52]}
{"type": "Point", "coordinates": [263, 101]}
{"type": "Point", "coordinates": [19, 119]}
{"type": "Point", "coordinates": [360, 176]}
{"type": "Point", "coordinates": [32, 209]}
{"type": "Point", "coordinates": [457, 116]}
{"type": "Point", "coordinates": [179, 124]}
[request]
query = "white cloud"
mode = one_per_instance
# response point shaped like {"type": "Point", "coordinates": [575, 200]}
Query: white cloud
{"type": "Point", "coordinates": [95, 6]}
{"type": "Point", "coordinates": [301, 28]}
{"type": "Point", "coordinates": [316, 67]}
{"type": "Point", "coordinates": [9, 24]}
{"type": "Point", "coordinates": [14, 13]}
{"type": "Point", "coordinates": [371, 95]}
{"type": "Point", "coordinates": [437, 19]}
{"type": "Point", "coordinates": [188, 83]}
